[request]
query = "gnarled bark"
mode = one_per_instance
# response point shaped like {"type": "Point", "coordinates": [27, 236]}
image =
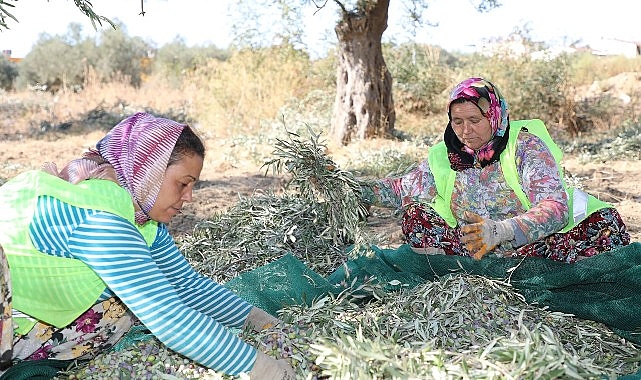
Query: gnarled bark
{"type": "Point", "coordinates": [364, 106]}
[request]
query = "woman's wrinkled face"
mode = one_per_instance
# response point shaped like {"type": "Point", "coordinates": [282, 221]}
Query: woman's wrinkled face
{"type": "Point", "coordinates": [177, 188]}
{"type": "Point", "coordinates": [470, 126]}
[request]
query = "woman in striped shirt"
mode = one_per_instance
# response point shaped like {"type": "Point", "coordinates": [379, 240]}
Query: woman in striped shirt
{"type": "Point", "coordinates": [89, 253]}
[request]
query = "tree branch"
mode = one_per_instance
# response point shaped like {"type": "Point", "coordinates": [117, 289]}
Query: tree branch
{"type": "Point", "coordinates": [319, 7]}
{"type": "Point", "coordinates": [86, 8]}
{"type": "Point", "coordinates": [342, 7]}
{"type": "Point", "coordinates": [4, 14]}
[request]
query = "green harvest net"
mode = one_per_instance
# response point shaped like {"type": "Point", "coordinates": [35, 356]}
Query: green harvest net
{"type": "Point", "coordinates": [605, 288]}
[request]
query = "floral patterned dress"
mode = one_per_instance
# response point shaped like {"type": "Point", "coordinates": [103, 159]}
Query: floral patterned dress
{"type": "Point", "coordinates": [6, 326]}
{"type": "Point", "coordinates": [95, 331]}
{"type": "Point", "coordinates": [484, 190]}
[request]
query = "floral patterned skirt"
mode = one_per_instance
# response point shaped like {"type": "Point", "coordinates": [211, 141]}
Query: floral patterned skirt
{"type": "Point", "coordinates": [95, 331]}
{"type": "Point", "coordinates": [6, 325]}
{"type": "Point", "coordinates": [602, 231]}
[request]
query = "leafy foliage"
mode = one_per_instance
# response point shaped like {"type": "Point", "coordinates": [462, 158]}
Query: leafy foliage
{"type": "Point", "coordinates": [116, 57]}
{"type": "Point", "coordinates": [121, 57]}
{"type": "Point", "coordinates": [421, 73]}
{"type": "Point", "coordinates": [175, 60]}
{"type": "Point", "coordinates": [65, 72]}
{"type": "Point", "coordinates": [83, 6]}
{"type": "Point", "coordinates": [8, 73]}
{"type": "Point", "coordinates": [317, 178]}
{"type": "Point", "coordinates": [258, 230]}
{"type": "Point", "coordinates": [5, 14]}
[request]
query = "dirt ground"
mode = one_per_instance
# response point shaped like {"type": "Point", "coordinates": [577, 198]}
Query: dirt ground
{"type": "Point", "coordinates": [221, 185]}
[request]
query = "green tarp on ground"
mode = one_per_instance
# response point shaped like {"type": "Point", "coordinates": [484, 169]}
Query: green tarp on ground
{"type": "Point", "coordinates": [605, 288]}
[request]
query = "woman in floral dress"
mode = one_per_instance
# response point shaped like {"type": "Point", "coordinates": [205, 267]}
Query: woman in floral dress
{"type": "Point", "coordinates": [496, 186]}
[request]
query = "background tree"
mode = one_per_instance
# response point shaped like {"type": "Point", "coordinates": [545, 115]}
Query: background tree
{"type": "Point", "coordinates": [364, 104]}
{"type": "Point", "coordinates": [175, 59]}
{"type": "Point", "coordinates": [8, 72]}
{"type": "Point", "coordinates": [121, 57]}
{"type": "Point", "coordinates": [113, 56]}
{"type": "Point", "coordinates": [64, 72]}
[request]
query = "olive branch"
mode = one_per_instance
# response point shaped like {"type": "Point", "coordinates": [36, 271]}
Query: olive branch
{"type": "Point", "coordinates": [317, 178]}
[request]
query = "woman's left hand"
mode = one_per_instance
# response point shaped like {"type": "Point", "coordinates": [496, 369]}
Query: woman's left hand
{"type": "Point", "coordinates": [258, 319]}
{"type": "Point", "coordinates": [482, 235]}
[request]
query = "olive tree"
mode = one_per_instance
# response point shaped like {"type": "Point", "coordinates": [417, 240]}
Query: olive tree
{"type": "Point", "coordinates": [364, 103]}
{"type": "Point", "coordinates": [8, 73]}
{"type": "Point", "coordinates": [65, 72]}
{"type": "Point", "coordinates": [83, 6]}
{"type": "Point", "coordinates": [114, 56]}
{"type": "Point", "coordinates": [121, 57]}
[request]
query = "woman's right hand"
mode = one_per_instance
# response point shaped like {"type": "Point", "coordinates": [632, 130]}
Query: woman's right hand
{"type": "Point", "coordinates": [482, 235]}
{"type": "Point", "coordinates": [268, 368]}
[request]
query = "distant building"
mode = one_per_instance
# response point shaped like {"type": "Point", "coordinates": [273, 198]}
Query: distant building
{"type": "Point", "coordinates": [614, 46]}
{"type": "Point", "coordinates": [7, 55]}
{"type": "Point", "coordinates": [516, 46]}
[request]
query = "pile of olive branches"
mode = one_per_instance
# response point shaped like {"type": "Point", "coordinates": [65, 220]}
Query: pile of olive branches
{"type": "Point", "coordinates": [258, 230]}
{"type": "Point", "coordinates": [315, 177]}
{"type": "Point", "coordinates": [315, 219]}
{"type": "Point", "coordinates": [458, 327]}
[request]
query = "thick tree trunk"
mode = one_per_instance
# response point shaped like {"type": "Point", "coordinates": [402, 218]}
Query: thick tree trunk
{"type": "Point", "coordinates": [364, 106]}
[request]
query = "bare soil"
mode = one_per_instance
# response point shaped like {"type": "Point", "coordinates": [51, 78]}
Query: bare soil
{"type": "Point", "coordinates": [221, 185]}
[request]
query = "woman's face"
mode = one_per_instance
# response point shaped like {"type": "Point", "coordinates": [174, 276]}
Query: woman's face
{"type": "Point", "coordinates": [176, 188]}
{"type": "Point", "coordinates": [470, 126]}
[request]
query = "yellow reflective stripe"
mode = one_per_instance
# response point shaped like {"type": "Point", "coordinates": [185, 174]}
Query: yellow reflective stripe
{"type": "Point", "coordinates": [444, 178]}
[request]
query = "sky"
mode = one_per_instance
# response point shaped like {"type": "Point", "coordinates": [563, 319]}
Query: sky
{"type": "Point", "coordinates": [459, 26]}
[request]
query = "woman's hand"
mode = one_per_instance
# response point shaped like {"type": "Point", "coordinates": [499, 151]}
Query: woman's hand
{"type": "Point", "coordinates": [482, 235]}
{"type": "Point", "coordinates": [258, 319]}
{"type": "Point", "coordinates": [268, 368]}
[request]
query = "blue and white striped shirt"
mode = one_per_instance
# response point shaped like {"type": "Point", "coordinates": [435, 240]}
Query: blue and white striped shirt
{"type": "Point", "coordinates": [186, 311]}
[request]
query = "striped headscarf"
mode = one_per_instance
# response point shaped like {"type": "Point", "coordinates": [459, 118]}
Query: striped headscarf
{"type": "Point", "coordinates": [493, 106]}
{"type": "Point", "coordinates": [134, 153]}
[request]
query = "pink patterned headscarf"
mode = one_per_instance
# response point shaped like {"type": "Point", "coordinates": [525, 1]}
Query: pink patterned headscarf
{"type": "Point", "coordinates": [134, 153]}
{"type": "Point", "coordinates": [487, 98]}
{"type": "Point", "coordinates": [493, 106]}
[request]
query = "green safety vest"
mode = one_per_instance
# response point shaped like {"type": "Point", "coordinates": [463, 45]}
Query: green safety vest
{"type": "Point", "coordinates": [581, 204]}
{"type": "Point", "coordinates": [51, 289]}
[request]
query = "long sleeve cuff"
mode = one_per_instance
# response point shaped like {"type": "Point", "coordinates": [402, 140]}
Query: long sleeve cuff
{"type": "Point", "coordinates": [519, 237]}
